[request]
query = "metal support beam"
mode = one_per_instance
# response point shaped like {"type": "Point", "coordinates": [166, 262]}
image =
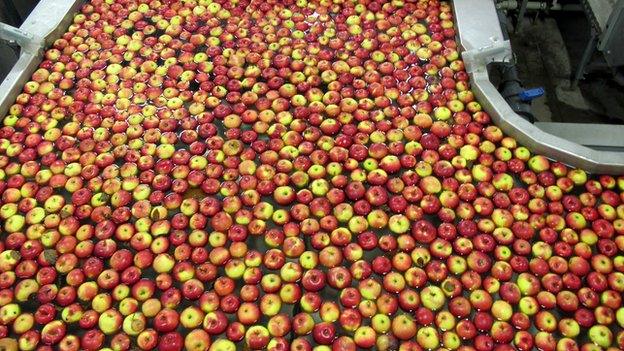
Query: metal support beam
{"type": "Point", "coordinates": [27, 41]}
{"type": "Point", "coordinates": [599, 12]}
{"type": "Point", "coordinates": [537, 6]}
{"type": "Point", "coordinates": [611, 41]}
{"type": "Point", "coordinates": [590, 47]}
{"type": "Point", "coordinates": [521, 13]}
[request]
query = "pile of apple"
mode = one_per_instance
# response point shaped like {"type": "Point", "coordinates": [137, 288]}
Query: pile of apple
{"type": "Point", "coordinates": [289, 175]}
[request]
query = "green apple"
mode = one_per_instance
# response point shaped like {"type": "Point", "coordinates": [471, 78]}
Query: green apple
{"type": "Point", "coordinates": [502, 310]}
{"type": "Point", "coordinates": [528, 305]}
{"type": "Point", "coordinates": [432, 298]}
{"type": "Point", "coordinates": [539, 163]}
{"type": "Point", "coordinates": [134, 323]}
{"type": "Point", "coordinates": [469, 152]}
{"type": "Point", "coordinates": [9, 313]}
{"type": "Point", "coordinates": [578, 176]}
{"type": "Point", "coordinates": [191, 317]}
{"type": "Point", "coordinates": [163, 263]}
{"type": "Point", "coordinates": [601, 335]}
{"type": "Point", "coordinates": [619, 316]}
{"type": "Point", "coordinates": [370, 289]}
{"type": "Point", "coordinates": [343, 212]}
{"type": "Point", "coordinates": [380, 323]}
{"type": "Point", "coordinates": [72, 313]}
{"type": "Point", "coordinates": [399, 224]}
{"type": "Point", "coordinates": [110, 321]}
{"type": "Point", "coordinates": [222, 345]}
{"type": "Point", "coordinates": [569, 327]}
{"type": "Point", "coordinates": [101, 302]}
{"type": "Point", "coordinates": [25, 288]}
{"type": "Point", "coordinates": [23, 323]}
{"type": "Point", "coordinates": [445, 320]}
{"type": "Point", "coordinates": [503, 182]}
{"type": "Point", "coordinates": [308, 260]}
{"type": "Point", "coordinates": [451, 340]}
{"type": "Point", "coordinates": [428, 338]}
{"type": "Point", "coordinates": [8, 260]}
{"type": "Point", "coordinates": [8, 210]}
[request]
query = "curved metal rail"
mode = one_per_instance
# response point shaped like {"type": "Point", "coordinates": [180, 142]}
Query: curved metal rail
{"type": "Point", "coordinates": [482, 42]}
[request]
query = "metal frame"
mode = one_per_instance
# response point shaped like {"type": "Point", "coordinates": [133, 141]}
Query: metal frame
{"type": "Point", "coordinates": [606, 18]}
{"type": "Point", "coordinates": [599, 12]}
{"type": "Point", "coordinates": [48, 20]}
{"type": "Point", "coordinates": [588, 52]}
{"type": "Point", "coordinates": [611, 41]}
{"type": "Point", "coordinates": [482, 42]}
{"type": "Point", "coordinates": [521, 13]}
{"type": "Point", "coordinates": [27, 41]}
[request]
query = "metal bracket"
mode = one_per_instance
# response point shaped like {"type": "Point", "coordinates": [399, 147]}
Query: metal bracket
{"type": "Point", "coordinates": [27, 41]}
{"type": "Point", "coordinates": [481, 38]}
{"type": "Point", "coordinates": [611, 42]}
{"type": "Point", "coordinates": [478, 59]}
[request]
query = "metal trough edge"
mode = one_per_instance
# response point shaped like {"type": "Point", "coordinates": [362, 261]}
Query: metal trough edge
{"type": "Point", "coordinates": [482, 42]}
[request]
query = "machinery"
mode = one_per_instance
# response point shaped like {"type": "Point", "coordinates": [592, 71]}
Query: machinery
{"type": "Point", "coordinates": [607, 24]}
{"type": "Point", "coordinates": [485, 45]}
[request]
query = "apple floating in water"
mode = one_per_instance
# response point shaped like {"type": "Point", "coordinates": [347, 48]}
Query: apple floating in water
{"type": "Point", "coordinates": [294, 174]}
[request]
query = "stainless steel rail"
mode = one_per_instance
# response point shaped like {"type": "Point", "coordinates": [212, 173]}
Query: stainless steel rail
{"type": "Point", "coordinates": [482, 43]}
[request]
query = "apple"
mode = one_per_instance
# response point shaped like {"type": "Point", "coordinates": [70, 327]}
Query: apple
{"type": "Point", "coordinates": [53, 332]}
{"type": "Point", "coordinates": [324, 157]}
{"type": "Point", "coordinates": [257, 337]}
{"type": "Point", "coordinates": [222, 345]}
{"type": "Point", "coordinates": [427, 337]}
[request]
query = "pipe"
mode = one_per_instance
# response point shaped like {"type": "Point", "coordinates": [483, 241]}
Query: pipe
{"type": "Point", "coordinates": [510, 85]}
{"type": "Point", "coordinates": [510, 88]}
{"type": "Point", "coordinates": [536, 6]}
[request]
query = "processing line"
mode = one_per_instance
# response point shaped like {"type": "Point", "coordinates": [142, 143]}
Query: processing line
{"type": "Point", "coordinates": [482, 42]}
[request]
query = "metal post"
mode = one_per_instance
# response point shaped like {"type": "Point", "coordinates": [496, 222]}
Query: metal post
{"type": "Point", "coordinates": [523, 8]}
{"type": "Point", "coordinates": [587, 54]}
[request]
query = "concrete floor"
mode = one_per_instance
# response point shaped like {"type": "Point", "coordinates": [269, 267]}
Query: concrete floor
{"type": "Point", "coordinates": [548, 50]}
